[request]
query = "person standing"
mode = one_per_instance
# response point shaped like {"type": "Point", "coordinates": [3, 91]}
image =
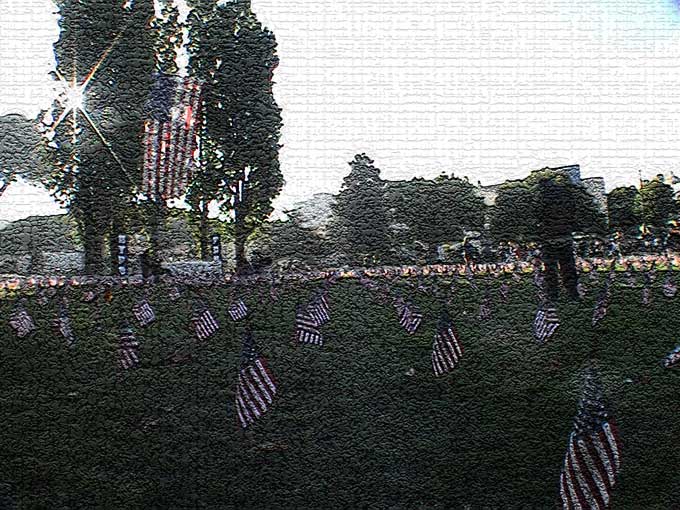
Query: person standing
{"type": "Point", "coordinates": [556, 213]}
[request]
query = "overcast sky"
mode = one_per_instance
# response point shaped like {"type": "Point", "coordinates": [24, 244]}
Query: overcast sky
{"type": "Point", "coordinates": [487, 89]}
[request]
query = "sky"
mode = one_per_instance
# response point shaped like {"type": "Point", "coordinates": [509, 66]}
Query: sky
{"type": "Point", "coordinates": [487, 89]}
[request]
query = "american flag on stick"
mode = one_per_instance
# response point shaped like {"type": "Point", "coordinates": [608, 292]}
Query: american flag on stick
{"type": "Point", "coordinates": [204, 323]}
{"type": "Point", "coordinates": [128, 356]}
{"type": "Point", "coordinates": [485, 307]}
{"type": "Point", "coordinates": [62, 324]}
{"type": "Point", "coordinates": [669, 288]}
{"type": "Point", "coordinates": [144, 313]}
{"type": "Point", "coordinates": [446, 349]}
{"type": "Point", "coordinates": [170, 136]}
{"type": "Point", "coordinates": [307, 327]}
{"type": "Point", "coordinates": [22, 323]}
{"type": "Point", "coordinates": [546, 323]}
{"type": "Point", "coordinates": [647, 290]}
{"type": "Point", "coordinates": [256, 386]}
{"type": "Point", "coordinates": [602, 304]}
{"type": "Point", "coordinates": [593, 460]}
{"type": "Point", "coordinates": [238, 310]}
{"type": "Point", "coordinates": [409, 317]}
{"type": "Point", "coordinates": [319, 308]}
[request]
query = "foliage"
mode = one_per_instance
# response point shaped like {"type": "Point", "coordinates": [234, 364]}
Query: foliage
{"type": "Point", "coordinates": [362, 213]}
{"type": "Point", "coordinates": [623, 213]}
{"type": "Point", "coordinates": [437, 211]}
{"type": "Point", "coordinates": [655, 203]}
{"type": "Point", "coordinates": [235, 56]}
{"type": "Point", "coordinates": [22, 150]}
{"type": "Point", "coordinates": [545, 205]}
{"type": "Point", "coordinates": [350, 427]}
{"type": "Point", "coordinates": [97, 164]}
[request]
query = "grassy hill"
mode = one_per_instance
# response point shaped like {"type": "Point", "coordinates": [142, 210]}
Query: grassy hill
{"type": "Point", "coordinates": [350, 428]}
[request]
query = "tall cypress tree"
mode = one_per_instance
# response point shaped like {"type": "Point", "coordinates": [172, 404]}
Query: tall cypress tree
{"type": "Point", "coordinates": [98, 164]}
{"type": "Point", "coordinates": [235, 56]}
{"type": "Point", "coordinates": [362, 213]}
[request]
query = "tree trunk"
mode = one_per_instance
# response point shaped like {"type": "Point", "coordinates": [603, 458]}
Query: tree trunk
{"type": "Point", "coordinates": [204, 233]}
{"type": "Point", "coordinates": [93, 243]}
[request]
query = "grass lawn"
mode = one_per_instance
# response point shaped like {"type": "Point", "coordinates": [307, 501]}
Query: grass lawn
{"type": "Point", "coordinates": [349, 428]}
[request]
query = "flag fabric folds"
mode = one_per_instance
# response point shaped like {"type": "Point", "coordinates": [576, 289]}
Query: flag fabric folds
{"type": "Point", "coordinates": [447, 349]}
{"type": "Point", "coordinates": [409, 317]}
{"type": "Point", "coordinates": [592, 461]}
{"type": "Point", "coordinates": [319, 309]}
{"type": "Point", "coordinates": [238, 310]}
{"type": "Point", "coordinates": [256, 386]}
{"type": "Point", "coordinates": [308, 320]}
{"type": "Point", "coordinates": [144, 313]}
{"type": "Point", "coordinates": [170, 136]}
{"type": "Point", "coordinates": [307, 327]}
{"type": "Point", "coordinates": [204, 323]}
{"type": "Point", "coordinates": [62, 324]}
{"type": "Point", "coordinates": [128, 346]}
{"type": "Point", "coordinates": [546, 323]}
{"type": "Point", "coordinates": [22, 323]}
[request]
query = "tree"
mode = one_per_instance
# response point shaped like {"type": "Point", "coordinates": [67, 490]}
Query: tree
{"type": "Point", "coordinates": [655, 203]}
{"type": "Point", "coordinates": [104, 58]}
{"type": "Point", "coordinates": [513, 217]}
{"type": "Point", "coordinates": [437, 211]}
{"type": "Point", "coordinates": [235, 57]}
{"type": "Point", "coordinates": [622, 211]}
{"type": "Point", "coordinates": [362, 213]}
{"type": "Point", "coordinates": [22, 150]}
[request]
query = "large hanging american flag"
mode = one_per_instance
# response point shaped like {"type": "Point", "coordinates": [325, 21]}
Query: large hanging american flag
{"type": "Point", "coordinates": [144, 313]}
{"type": "Point", "coordinates": [204, 323]}
{"type": "Point", "coordinates": [62, 324]}
{"type": "Point", "coordinates": [546, 323]}
{"type": "Point", "coordinates": [446, 349]}
{"type": "Point", "coordinates": [256, 386]}
{"type": "Point", "coordinates": [593, 460]}
{"type": "Point", "coordinates": [307, 327]}
{"type": "Point", "coordinates": [409, 317]}
{"type": "Point", "coordinates": [22, 323]}
{"type": "Point", "coordinates": [170, 136]}
{"type": "Point", "coordinates": [128, 357]}
{"type": "Point", "coordinates": [238, 310]}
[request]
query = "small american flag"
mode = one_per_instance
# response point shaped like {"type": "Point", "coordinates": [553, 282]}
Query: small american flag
{"type": "Point", "coordinates": [409, 317]}
{"type": "Point", "coordinates": [672, 359]}
{"type": "Point", "coordinates": [238, 310]}
{"type": "Point", "coordinates": [319, 309]}
{"type": "Point", "coordinates": [485, 307]}
{"type": "Point", "coordinates": [144, 313]}
{"type": "Point", "coordinates": [256, 386]}
{"type": "Point", "coordinates": [174, 294]}
{"type": "Point", "coordinates": [647, 290]}
{"type": "Point", "coordinates": [669, 288]}
{"type": "Point", "coordinates": [170, 136]}
{"type": "Point", "coordinates": [205, 324]}
{"type": "Point", "coordinates": [22, 323]}
{"type": "Point", "coordinates": [128, 356]}
{"type": "Point", "coordinates": [63, 325]}
{"type": "Point", "coordinates": [546, 323]}
{"type": "Point", "coordinates": [307, 327]}
{"type": "Point", "coordinates": [581, 290]}
{"type": "Point", "coordinates": [446, 349]}
{"type": "Point", "coordinates": [600, 311]}
{"type": "Point", "coordinates": [505, 291]}
{"type": "Point", "coordinates": [593, 460]}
